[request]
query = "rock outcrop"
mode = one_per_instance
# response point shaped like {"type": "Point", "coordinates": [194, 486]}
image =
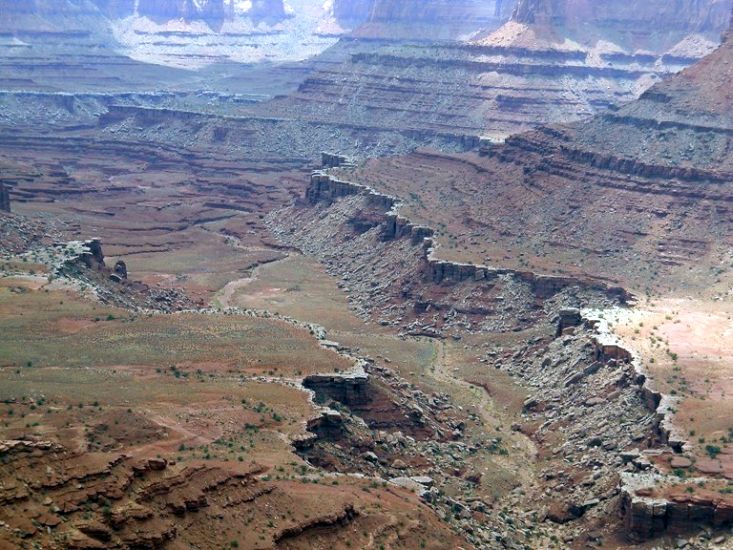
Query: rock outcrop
{"type": "Point", "coordinates": [430, 20]}
{"type": "Point", "coordinates": [214, 12]}
{"type": "Point", "coordinates": [119, 272]}
{"type": "Point", "coordinates": [349, 388]}
{"type": "Point", "coordinates": [351, 13]}
{"type": "Point", "coordinates": [599, 204]}
{"type": "Point", "coordinates": [652, 22]}
{"type": "Point", "coordinates": [650, 506]}
{"type": "Point", "coordinates": [327, 188]}
{"type": "Point", "coordinates": [555, 61]}
{"type": "Point", "coordinates": [83, 262]}
{"type": "Point", "coordinates": [179, 33]}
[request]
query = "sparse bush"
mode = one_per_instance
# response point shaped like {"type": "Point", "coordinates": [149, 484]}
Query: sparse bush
{"type": "Point", "coordinates": [712, 450]}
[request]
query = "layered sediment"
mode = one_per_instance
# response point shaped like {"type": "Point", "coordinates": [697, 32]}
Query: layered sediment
{"type": "Point", "coordinates": [431, 20]}
{"type": "Point", "coordinates": [585, 199]}
{"type": "Point", "coordinates": [538, 68]}
{"type": "Point", "coordinates": [327, 188]}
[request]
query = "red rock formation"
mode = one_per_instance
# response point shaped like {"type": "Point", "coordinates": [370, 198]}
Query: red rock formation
{"type": "Point", "coordinates": [556, 61]}
{"type": "Point", "coordinates": [589, 198]}
{"type": "Point", "coordinates": [654, 25]}
{"type": "Point", "coordinates": [649, 512]}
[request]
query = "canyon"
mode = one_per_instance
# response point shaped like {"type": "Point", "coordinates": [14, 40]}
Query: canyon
{"type": "Point", "coordinates": [509, 78]}
{"type": "Point", "coordinates": [365, 274]}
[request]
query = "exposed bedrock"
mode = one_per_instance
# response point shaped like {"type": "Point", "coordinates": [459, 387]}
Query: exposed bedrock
{"type": "Point", "coordinates": [119, 272]}
{"type": "Point", "coordinates": [538, 68]}
{"type": "Point", "coordinates": [568, 319]}
{"type": "Point", "coordinates": [380, 402]}
{"type": "Point", "coordinates": [466, 89]}
{"type": "Point", "coordinates": [608, 348]}
{"type": "Point", "coordinates": [338, 519]}
{"type": "Point", "coordinates": [83, 262]}
{"type": "Point", "coordinates": [146, 500]}
{"type": "Point", "coordinates": [96, 36]}
{"type": "Point", "coordinates": [277, 139]}
{"type": "Point", "coordinates": [648, 512]}
{"type": "Point", "coordinates": [432, 20]}
{"type": "Point", "coordinates": [351, 389]}
{"type": "Point", "coordinates": [351, 13]}
{"type": "Point", "coordinates": [647, 21]}
{"type": "Point", "coordinates": [585, 203]}
{"type": "Point", "coordinates": [213, 11]}
{"type": "Point", "coordinates": [93, 257]}
{"type": "Point", "coordinates": [588, 385]}
{"type": "Point", "coordinates": [328, 188]}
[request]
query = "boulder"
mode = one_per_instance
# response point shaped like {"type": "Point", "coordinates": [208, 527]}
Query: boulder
{"type": "Point", "coordinates": [567, 318]}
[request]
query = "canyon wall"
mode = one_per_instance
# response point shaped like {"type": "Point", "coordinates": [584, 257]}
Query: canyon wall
{"type": "Point", "coordinates": [188, 34]}
{"type": "Point", "coordinates": [554, 61]}
{"type": "Point", "coordinates": [327, 188]}
{"type": "Point", "coordinates": [598, 204]}
{"type": "Point", "coordinates": [47, 17]}
{"type": "Point", "coordinates": [351, 13]}
{"type": "Point", "coordinates": [432, 20]}
{"type": "Point", "coordinates": [644, 20]}
{"type": "Point", "coordinates": [214, 11]}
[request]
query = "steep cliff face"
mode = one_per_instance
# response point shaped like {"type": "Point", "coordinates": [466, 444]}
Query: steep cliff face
{"type": "Point", "coordinates": [433, 19]}
{"type": "Point", "coordinates": [654, 26]}
{"type": "Point", "coordinates": [116, 8]}
{"type": "Point", "coordinates": [586, 197]}
{"type": "Point", "coordinates": [46, 16]}
{"type": "Point", "coordinates": [555, 61]}
{"type": "Point", "coordinates": [351, 12]}
{"type": "Point", "coordinates": [4, 198]}
{"type": "Point", "coordinates": [183, 33]}
{"type": "Point", "coordinates": [193, 34]}
{"type": "Point", "coordinates": [533, 12]}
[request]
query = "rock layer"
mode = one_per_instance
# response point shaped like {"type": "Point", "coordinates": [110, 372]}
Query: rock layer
{"type": "Point", "coordinates": [553, 62]}
{"type": "Point", "coordinates": [584, 198]}
{"type": "Point", "coordinates": [430, 20]}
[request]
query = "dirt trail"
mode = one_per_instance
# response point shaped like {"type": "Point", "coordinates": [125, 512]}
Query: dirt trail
{"type": "Point", "coordinates": [223, 298]}
{"type": "Point", "coordinates": [441, 372]}
{"type": "Point", "coordinates": [178, 434]}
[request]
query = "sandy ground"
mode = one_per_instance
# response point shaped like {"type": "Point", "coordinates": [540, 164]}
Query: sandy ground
{"type": "Point", "coordinates": [684, 346]}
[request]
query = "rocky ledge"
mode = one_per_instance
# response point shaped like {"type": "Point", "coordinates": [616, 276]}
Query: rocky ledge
{"type": "Point", "coordinates": [325, 187]}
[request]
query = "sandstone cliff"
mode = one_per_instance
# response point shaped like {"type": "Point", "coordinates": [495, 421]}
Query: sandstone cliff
{"type": "Point", "coordinates": [650, 27]}
{"type": "Point", "coordinates": [555, 61]}
{"type": "Point", "coordinates": [432, 19]}
{"type": "Point", "coordinates": [181, 33]}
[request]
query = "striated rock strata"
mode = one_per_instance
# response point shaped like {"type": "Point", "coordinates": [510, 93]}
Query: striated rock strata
{"type": "Point", "coordinates": [327, 188]}
{"type": "Point", "coordinates": [537, 68]}
{"type": "Point", "coordinates": [584, 198]}
{"type": "Point", "coordinates": [430, 20]}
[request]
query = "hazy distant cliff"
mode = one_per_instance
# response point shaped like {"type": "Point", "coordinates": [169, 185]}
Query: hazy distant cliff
{"type": "Point", "coordinates": [433, 19]}
{"type": "Point", "coordinates": [652, 25]}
